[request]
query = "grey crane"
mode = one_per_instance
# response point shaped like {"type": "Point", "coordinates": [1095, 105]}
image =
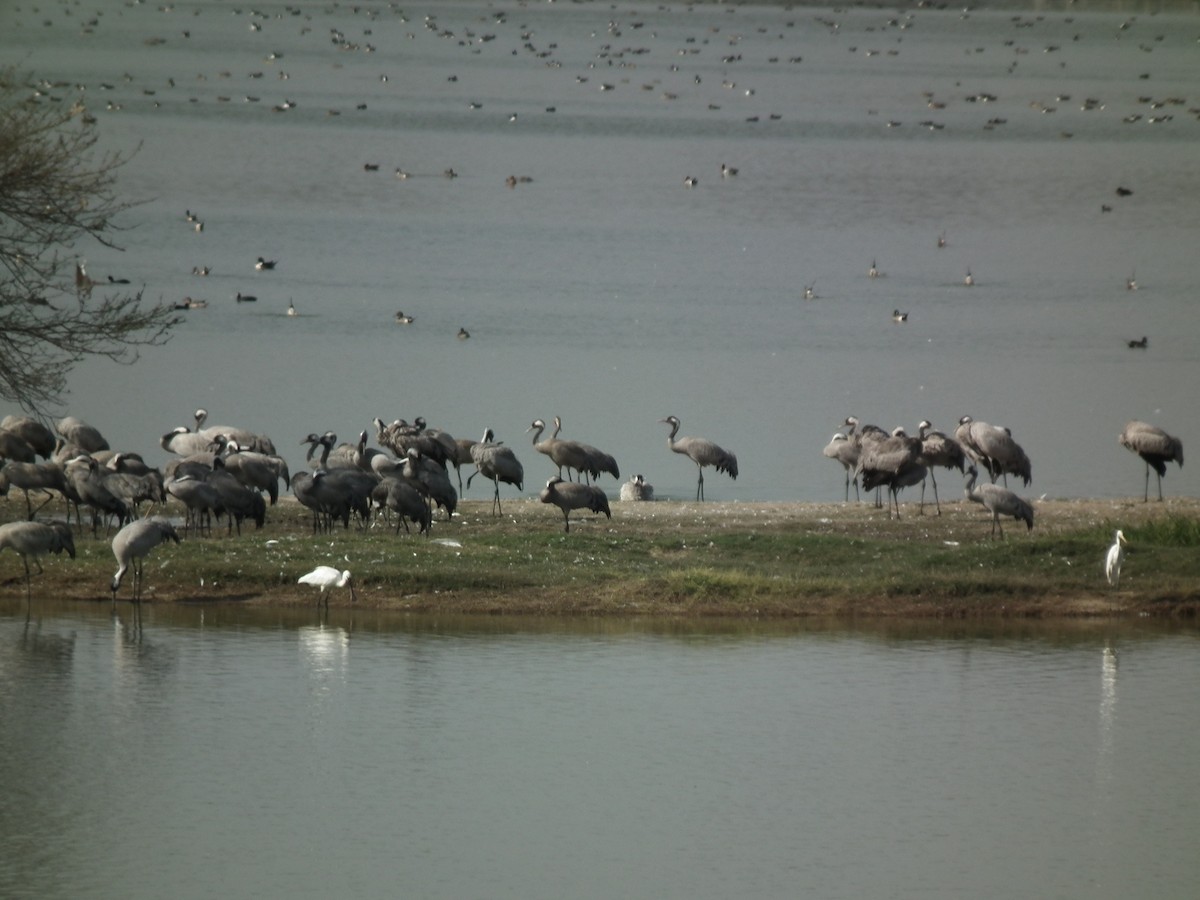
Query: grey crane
{"type": "Point", "coordinates": [199, 497]}
{"type": "Point", "coordinates": [938, 450]}
{"type": "Point", "coordinates": [863, 433]}
{"type": "Point", "coordinates": [845, 450]}
{"type": "Point", "coordinates": [245, 438]}
{"type": "Point", "coordinates": [893, 462]}
{"type": "Point", "coordinates": [430, 478]}
{"type": "Point", "coordinates": [36, 476]}
{"type": "Point", "coordinates": [569, 495]}
{"type": "Point", "coordinates": [999, 501]}
{"type": "Point", "coordinates": [257, 471]}
{"type": "Point", "coordinates": [78, 432]}
{"type": "Point", "coordinates": [597, 461]}
{"type": "Point", "coordinates": [399, 496]}
{"type": "Point", "coordinates": [33, 432]}
{"type": "Point", "coordinates": [15, 447]}
{"type": "Point", "coordinates": [84, 475]}
{"type": "Point", "coordinates": [184, 442]}
{"type": "Point", "coordinates": [132, 544]}
{"type": "Point", "coordinates": [563, 453]}
{"type": "Point", "coordinates": [993, 447]}
{"type": "Point", "coordinates": [703, 453]}
{"type": "Point", "coordinates": [495, 461]}
{"type": "Point", "coordinates": [636, 488]}
{"type": "Point", "coordinates": [1155, 447]}
{"type": "Point", "coordinates": [36, 539]}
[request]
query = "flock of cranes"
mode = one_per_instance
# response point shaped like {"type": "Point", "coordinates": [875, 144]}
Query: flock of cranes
{"type": "Point", "coordinates": [225, 471]}
{"type": "Point", "coordinates": [894, 461]}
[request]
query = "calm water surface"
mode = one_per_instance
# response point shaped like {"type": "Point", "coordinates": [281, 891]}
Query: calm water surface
{"type": "Point", "coordinates": [604, 290]}
{"type": "Point", "coordinates": [222, 752]}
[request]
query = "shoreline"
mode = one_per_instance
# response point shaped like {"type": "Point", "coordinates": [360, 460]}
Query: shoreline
{"type": "Point", "coordinates": [678, 559]}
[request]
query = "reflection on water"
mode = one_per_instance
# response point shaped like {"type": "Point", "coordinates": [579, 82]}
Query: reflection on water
{"type": "Point", "coordinates": [543, 758]}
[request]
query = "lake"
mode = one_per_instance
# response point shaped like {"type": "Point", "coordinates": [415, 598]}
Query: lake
{"type": "Point", "coordinates": [603, 289]}
{"type": "Point", "coordinates": [230, 752]}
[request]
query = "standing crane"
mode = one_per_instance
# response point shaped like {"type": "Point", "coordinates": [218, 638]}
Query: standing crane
{"type": "Point", "coordinates": [845, 450]}
{"type": "Point", "coordinates": [998, 501]}
{"type": "Point", "coordinates": [132, 544]}
{"type": "Point", "coordinates": [994, 448]}
{"type": "Point", "coordinates": [569, 495]}
{"type": "Point", "coordinates": [1155, 447]}
{"type": "Point", "coordinates": [36, 539]}
{"type": "Point", "coordinates": [702, 452]}
{"type": "Point", "coordinates": [894, 462]}
{"type": "Point", "coordinates": [938, 450]}
{"type": "Point", "coordinates": [497, 462]}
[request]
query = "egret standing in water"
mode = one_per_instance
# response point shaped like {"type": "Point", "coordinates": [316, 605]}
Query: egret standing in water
{"type": "Point", "coordinates": [1115, 558]}
{"type": "Point", "coordinates": [329, 577]}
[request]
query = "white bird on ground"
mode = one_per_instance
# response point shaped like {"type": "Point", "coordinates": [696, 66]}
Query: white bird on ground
{"type": "Point", "coordinates": [1115, 558]}
{"type": "Point", "coordinates": [328, 577]}
{"type": "Point", "coordinates": [132, 544]}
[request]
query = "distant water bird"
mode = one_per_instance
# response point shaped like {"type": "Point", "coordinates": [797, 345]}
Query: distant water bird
{"type": "Point", "coordinates": [1123, 192]}
{"type": "Point", "coordinates": [636, 488]}
{"type": "Point", "coordinates": [845, 450]}
{"type": "Point", "coordinates": [36, 539]}
{"type": "Point", "coordinates": [450, 173]}
{"type": "Point", "coordinates": [1141, 344]}
{"type": "Point", "coordinates": [264, 264]}
{"type": "Point", "coordinates": [728, 172]}
{"type": "Point", "coordinates": [969, 280]}
{"type": "Point", "coordinates": [328, 578]}
{"type": "Point", "coordinates": [690, 181]}
{"type": "Point", "coordinates": [112, 280]}
{"type": "Point", "coordinates": [873, 272]}
{"type": "Point", "coordinates": [402, 175]}
{"type": "Point", "coordinates": [132, 544]}
{"type": "Point", "coordinates": [1131, 283]}
{"type": "Point", "coordinates": [370, 167]}
{"type": "Point", "coordinates": [463, 334]}
{"type": "Point", "coordinates": [191, 303]}
{"type": "Point", "coordinates": [83, 283]}
{"type": "Point", "coordinates": [810, 292]}
{"type": "Point", "coordinates": [569, 495]}
{"type": "Point", "coordinates": [941, 241]}
{"type": "Point", "coordinates": [899, 316]}
{"type": "Point", "coordinates": [245, 298]}
{"type": "Point", "coordinates": [703, 453]}
{"type": "Point", "coordinates": [201, 270]}
{"type": "Point", "coordinates": [998, 501]}
{"type": "Point", "coordinates": [291, 310]}
{"type": "Point", "coordinates": [1155, 447]}
{"type": "Point", "coordinates": [1115, 559]}
{"type": "Point", "coordinates": [402, 319]}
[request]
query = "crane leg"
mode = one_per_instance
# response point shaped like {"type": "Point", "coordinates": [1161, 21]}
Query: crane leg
{"type": "Point", "coordinates": [1146, 490]}
{"type": "Point", "coordinates": [700, 484]}
{"type": "Point", "coordinates": [936, 501]}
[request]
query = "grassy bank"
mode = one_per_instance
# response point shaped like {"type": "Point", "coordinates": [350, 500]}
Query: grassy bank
{"type": "Point", "coordinates": [682, 558]}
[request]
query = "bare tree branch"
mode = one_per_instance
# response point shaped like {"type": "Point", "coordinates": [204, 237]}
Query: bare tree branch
{"type": "Point", "coordinates": [55, 191]}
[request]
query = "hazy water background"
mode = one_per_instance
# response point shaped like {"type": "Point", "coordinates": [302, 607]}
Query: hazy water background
{"type": "Point", "coordinates": [607, 292]}
{"type": "Point", "coordinates": [216, 752]}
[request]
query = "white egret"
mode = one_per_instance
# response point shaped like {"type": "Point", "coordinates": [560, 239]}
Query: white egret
{"type": "Point", "coordinates": [1115, 558]}
{"type": "Point", "coordinates": [329, 577]}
